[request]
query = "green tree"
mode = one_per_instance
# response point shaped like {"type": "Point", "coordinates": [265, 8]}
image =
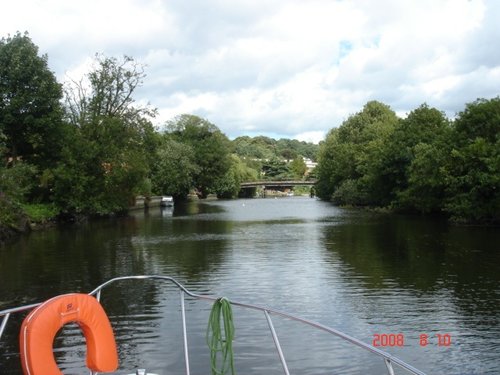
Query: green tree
{"type": "Point", "coordinates": [17, 181]}
{"type": "Point", "coordinates": [426, 178]}
{"type": "Point", "coordinates": [353, 155]}
{"type": "Point", "coordinates": [211, 149]}
{"type": "Point", "coordinates": [288, 154]}
{"type": "Point", "coordinates": [265, 148]}
{"type": "Point", "coordinates": [276, 169]}
{"type": "Point", "coordinates": [254, 148]}
{"type": "Point", "coordinates": [174, 169]}
{"type": "Point", "coordinates": [334, 164]}
{"type": "Point", "coordinates": [480, 119]}
{"type": "Point", "coordinates": [293, 148]}
{"type": "Point", "coordinates": [298, 167]}
{"type": "Point", "coordinates": [30, 109]}
{"type": "Point", "coordinates": [229, 185]}
{"type": "Point", "coordinates": [106, 163]}
{"type": "Point", "coordinates": [424, 126]}
{"type": "Point", "coordinates": [473, 184]}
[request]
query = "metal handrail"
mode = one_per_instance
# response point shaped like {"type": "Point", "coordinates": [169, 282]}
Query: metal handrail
{"type": "Point", "coordinates": [389, 359]}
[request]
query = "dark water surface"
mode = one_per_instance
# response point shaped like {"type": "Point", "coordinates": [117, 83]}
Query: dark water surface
{"type": "Point", "coordinates": [363, 273]}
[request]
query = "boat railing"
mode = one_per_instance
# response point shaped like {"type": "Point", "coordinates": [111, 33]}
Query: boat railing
{"type": "Point", "coordinates": [389, 360]}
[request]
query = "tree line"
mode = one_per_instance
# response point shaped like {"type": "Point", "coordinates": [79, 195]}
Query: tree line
{"type": "Point", "coordinates": [87, 147]}
{"type": "Point", "coordinates": [424, 163]}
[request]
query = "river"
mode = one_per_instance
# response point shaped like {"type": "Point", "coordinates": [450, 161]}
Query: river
{"type": "Point", "coordinates": [373, 276]}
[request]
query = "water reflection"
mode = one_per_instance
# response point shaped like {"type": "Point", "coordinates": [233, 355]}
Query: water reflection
{"type": "Point", "coordinates": [423, 277]}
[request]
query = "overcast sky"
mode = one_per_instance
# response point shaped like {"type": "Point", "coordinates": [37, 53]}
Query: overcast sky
{"type": "Point", "coordinates": [281, 68]}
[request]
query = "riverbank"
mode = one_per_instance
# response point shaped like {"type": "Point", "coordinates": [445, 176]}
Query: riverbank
{"type": "Point", "coordinates": [17, 219]}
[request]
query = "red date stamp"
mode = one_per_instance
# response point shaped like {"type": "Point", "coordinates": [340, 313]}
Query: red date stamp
{"type": "Point", "coordinates": [388, 339]}
{"type": "Point", "coordinates": [398, 339]}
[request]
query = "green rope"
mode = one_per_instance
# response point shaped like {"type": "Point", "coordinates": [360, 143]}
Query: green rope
{"type": "Point", "coordinates": [220, 335]}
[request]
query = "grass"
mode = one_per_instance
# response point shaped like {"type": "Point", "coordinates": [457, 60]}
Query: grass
{"type": "Point", "coordinates": [40, 212]}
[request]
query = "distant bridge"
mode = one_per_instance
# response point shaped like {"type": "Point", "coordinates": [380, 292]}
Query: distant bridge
{"type": "Point", "coordinates": [282, 184]}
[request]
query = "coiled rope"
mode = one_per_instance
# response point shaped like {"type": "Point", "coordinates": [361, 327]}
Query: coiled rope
{"type": "Point", "coordinates": [220, 335]}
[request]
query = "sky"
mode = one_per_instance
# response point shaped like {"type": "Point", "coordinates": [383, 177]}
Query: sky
{"type": "Point", "coordinates": [280, 68]}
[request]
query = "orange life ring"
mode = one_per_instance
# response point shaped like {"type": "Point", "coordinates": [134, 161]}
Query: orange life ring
{"type": "Point", "coordinates": [40, 327]}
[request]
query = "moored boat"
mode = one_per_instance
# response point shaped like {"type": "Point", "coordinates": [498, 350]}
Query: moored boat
{"type": "Point", "coordinates": [167, 201]}
{"type": "Point", "coordinates": [45, 319]}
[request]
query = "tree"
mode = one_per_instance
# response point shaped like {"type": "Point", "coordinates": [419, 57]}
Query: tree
{"type": "Point", "coordinates": [17, 181]}
{"type": "Point", "coordinates": [276, 169]}
{"type": "Point", "coordinates": [253, 148]}
{"type": "Point", "coordinates": [353, 154]}
{"type": "Point", "coordinates": [229, 185]}
{"type": "Point", "coordinates": [174, 169]}
{"type": "Point", "coordinates": [426, 178]}
{"type": "Point", "coordinates": [291, 148]}
{"type": "Point", "coordinates": [422, 135]}
{"type": "Point", "coordinates": [298, 167]}
{"type": "Point", "coordinates": [473, 188]}
{"type": "Point", "coordinates": [333, 165]}
{"type": "Point", "coordinates": [108, 92]}
{"type": "Point", "coordinates": [288, 154]}
{"type": "Point", "coordinates": [107, 162]}
{"type": "Point", "coordinates": [211, 149]}
{"type": "Point", "coordinates": [480, 119]}
{"type": "Point", "coordinates": [30, 109]}
{"type": "Point", "coordinates": [264, 148]}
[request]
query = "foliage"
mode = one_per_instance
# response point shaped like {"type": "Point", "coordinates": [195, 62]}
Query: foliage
{"type": "Point", "coordinates": [12, 217]}
{"type": "Point", "coordinates": [473, 184]}
{"type": "Point", "coordinates": [212, 156]}
{"type": "Point", "coordinates": [265, 148]}
{"type": "Point", "coordinates": [228, 186]}
{"type": "Point", "coordinates": [298, 167]}
{"type": "Point", "coordinates": [276, 169]}
{"type": "Point", "coordinates": [18, 180]}
{"type": "Point", "coordinates": [354, 152]}
{"type": "Point", "coordinates": [419, 139]}
{"type": "Point", "coordinates": [422, 163]}
{"type": "Point", "coordinates": [350, 193]}
{"type": "Point", "coordinates": [426, 179]}
{"type": "Point", "coordinates": [255, 165]}
{"type": "Point", "coordinates": [480, 119]}
{"type": "Point", "coordinates": [99, 151]}
{"type": "Point", "coordinates": [30, 111]}
{"type": "Point", "coordinates": [40, 212]}
{"type": "Point", "coordinates": [334, 162]}
{"type": "Point", "coordinates": [173, 172]}
{"type": "Point", "coordinates": [105, 164]}
{"type": "Point", "coordinates": [107, 92]}
{"type": "Point", "coordinates": [288, 154]}
{"type": "Point", "coordinates": [293, 148]}
{"type": "Point", "coordinates": [260, 148]}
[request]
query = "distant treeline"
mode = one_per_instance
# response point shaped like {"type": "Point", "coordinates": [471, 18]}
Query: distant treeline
{"type": "Point", "coordinates": [88, 148]}
{"type": "Point", "coordinates": [424, 163]}
{"type": "Point", "coordinates": [265, 148]}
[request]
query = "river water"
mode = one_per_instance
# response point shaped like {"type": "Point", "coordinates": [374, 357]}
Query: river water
{"type": "Point", "coordinates": [373, 276]}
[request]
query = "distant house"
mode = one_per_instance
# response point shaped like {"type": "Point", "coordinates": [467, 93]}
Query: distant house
{"type": "Point", "coordinates": [310, 165]}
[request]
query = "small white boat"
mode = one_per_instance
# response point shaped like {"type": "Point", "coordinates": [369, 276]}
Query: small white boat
{"type": "Point", "coordinates": [45, 319]}
{"type": "Point", "coordinates": [167, 201]}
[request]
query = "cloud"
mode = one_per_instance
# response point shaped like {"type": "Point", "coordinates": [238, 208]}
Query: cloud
{"type": "Point", "coordinates": [288, 67]}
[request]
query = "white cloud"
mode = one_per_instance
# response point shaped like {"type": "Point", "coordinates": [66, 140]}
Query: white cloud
{"type": "Point", "coordinates": [314, 137]}
{"type": "Point", "coordinates": [288, 67]}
